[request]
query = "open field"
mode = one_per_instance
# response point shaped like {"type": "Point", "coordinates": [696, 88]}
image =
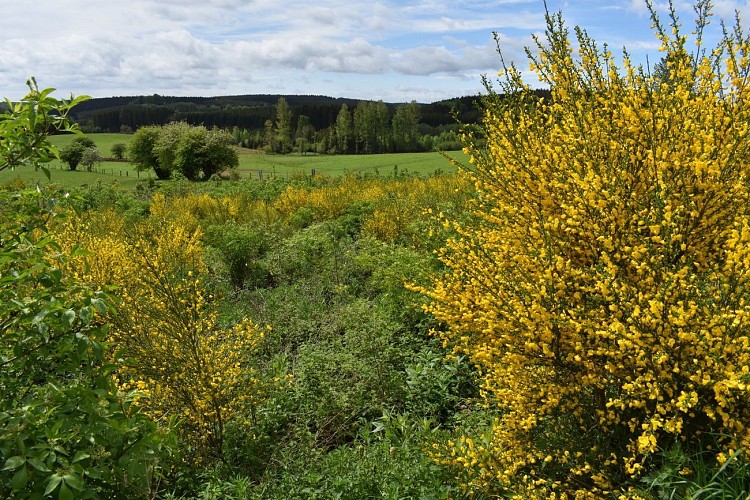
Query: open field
{"type": "Point", "coordinates": [107, 172]}
{"type": "Point", "coordinates": [122, 173]}
{"type": "Point", "coordinates": [103, 141]}
{"type": "Point", "coordinates": [252, 165]}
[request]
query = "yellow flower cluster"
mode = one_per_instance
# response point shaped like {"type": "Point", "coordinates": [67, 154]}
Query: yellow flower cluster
{"type": "Point", "coordinates": [396, 202]}
{"type": "Point", "coordinates": [172, 349]}
{"type": "Point", "coordinates": [604, 291]}
{"type": "Point", "coordinates": [193, 210]}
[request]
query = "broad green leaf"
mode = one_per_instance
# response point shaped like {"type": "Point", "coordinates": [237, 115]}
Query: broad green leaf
{"type": "Point", "coordinates": [65, 493]}
{"type": "Point", "coordinates": [52, 483]}
{"type": "Point", "coordinates": [99, 305]}
{"type": "Point", "coordinates": [14, 463]}
{"type": "Point", "coordinates": [80, 455]}
{"type": "Point", "coordinates": [38, 464]}
{"type": "Point", "coordinates": [73, 481]}
{"type": "Point", "coordinates": [20, 479]}
{"type": "Point", "coordinates": [69, 317]}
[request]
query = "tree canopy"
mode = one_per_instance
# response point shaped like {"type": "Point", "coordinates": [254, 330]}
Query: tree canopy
{"type": "Point", "coordinates": [196, 152]}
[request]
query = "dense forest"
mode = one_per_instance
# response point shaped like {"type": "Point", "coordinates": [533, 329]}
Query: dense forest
{"type": "Point", "coordinates": [284, 124]}
{"type": "Point", "coordinates": [110, 114]}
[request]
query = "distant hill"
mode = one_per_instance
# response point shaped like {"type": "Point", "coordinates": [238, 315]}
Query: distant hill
{"type": "Point", "coordinates": [111, 114]}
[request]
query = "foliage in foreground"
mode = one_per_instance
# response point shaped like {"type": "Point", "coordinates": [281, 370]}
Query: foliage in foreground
{"type": "Point", "coordinates": [173, 349]}
{"type": "Point", "coordinates": [65, 428]}
{"type": "Point", "coordinates": [25, 125]}
{"type": "Point", "coordinates": [603, 290]}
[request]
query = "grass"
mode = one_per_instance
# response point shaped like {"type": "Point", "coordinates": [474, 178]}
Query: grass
{"type": "Point", "coordinates": [253, 165]}
{"type": "Point", "coordinates": [103, 141]}
{"type": "Point", "coordinates": [122, 173]}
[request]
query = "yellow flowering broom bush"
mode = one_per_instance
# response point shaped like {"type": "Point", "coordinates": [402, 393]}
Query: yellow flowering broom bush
{"type": "Point", "coordinates": [166, 331]}
{"type": "Point", "coordinates": [603, 291]}
{"type": "Point", "coordinates": [397, 205]}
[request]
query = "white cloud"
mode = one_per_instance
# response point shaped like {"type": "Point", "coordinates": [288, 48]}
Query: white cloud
{"type": "Point", "coordinates": [334, 47]}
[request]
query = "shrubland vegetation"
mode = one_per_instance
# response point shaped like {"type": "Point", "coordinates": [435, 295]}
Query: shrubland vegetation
{"type": "Point", "coordinates": [566, 317]}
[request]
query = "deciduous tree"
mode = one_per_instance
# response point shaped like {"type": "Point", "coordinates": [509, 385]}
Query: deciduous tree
{"type": "Point", "coordinates": [195, 152]}
{"type": "Point", "coordinates": [118, 150]}
{"type": "Point", "coordinates": [405, 127]}
{"type": "Point", "coordinates": [72, 154]}
{"type": "Point", "coordinates": [343, 129]}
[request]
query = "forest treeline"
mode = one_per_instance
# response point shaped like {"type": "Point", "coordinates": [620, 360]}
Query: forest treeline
{"type": "Point", "coordinates": [287, 123]}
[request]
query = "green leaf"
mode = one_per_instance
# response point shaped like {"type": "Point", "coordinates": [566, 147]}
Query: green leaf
{"type": "Point", "coordinates": [20, 479]}
{"type": "Point", "coordinates": [38, 465]}
{"type": "Point", "coordinates": [82, 346]}
{"type": "Point", "coordinates": [73, 481]}
{"type": "Point", "coordinates": [99, 305]}
{"type": "Point", "coordinates": [46, 173]}
{"type": "Point", "coordinates": [54, 480]}
{"type": "Point", "coordinates": [85, 315]}
{"type": "Point", "coordinates": [69, 317]}
{"type": "Point", "coordinates": [14, 463]}
{"type": "Point", "coordinates": [80, 455]}
{"type": "Point", "coordinates": [65, 493]}
{"type": "Point", "coordinates": [94, 473]}
{"type": "Point", "coordinates": [39, 317]}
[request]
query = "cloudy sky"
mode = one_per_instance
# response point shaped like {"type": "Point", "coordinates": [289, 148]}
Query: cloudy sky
{"type": "Point", "coordinates": [395, 50]}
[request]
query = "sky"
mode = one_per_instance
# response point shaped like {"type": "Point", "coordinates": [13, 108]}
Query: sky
{"type": "Point", "coordinates": [390, 50]}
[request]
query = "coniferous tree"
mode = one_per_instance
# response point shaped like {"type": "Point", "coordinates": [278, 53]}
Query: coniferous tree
{"type": "Point", "coordinates": [283, 140]}
{"type": "Point", "coordinates": [343, 129]}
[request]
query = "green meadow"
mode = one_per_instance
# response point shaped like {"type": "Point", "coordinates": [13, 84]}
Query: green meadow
{"type": "Point", "coordinates": [253, 165]}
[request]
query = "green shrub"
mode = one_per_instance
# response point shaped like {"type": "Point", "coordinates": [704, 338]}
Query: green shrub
{"type": "Point", "coordinates": [351, 374]}
{"type": "Point", "coordinates": [241, 248]}
{"type": "Point", "coordinates": [389, 463]}
{"type": "Point", "coordinates": [118, 150]}
{"type": "Point", "coordinates": [64, 427]}
{"type": "Point", "coordinates": [437, 386]}
{"type": "Point", "coordinates": [698, 475]}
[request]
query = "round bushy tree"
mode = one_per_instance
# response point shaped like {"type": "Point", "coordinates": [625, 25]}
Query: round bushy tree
{"type": "Point", "coordinates": [73, 153]}
{"type": "Point", "coordinates": [143, 154]}
{"type": "Point", "coordinates": [91, 157]}
{"type": "Point", "coordinates": [118, 150]}
{"type": "Point", "coordinates": [196, 152]}
{"type": "Point", "coordinates": [603, 287]}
